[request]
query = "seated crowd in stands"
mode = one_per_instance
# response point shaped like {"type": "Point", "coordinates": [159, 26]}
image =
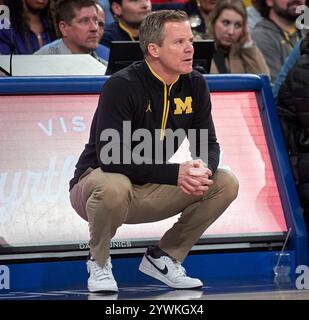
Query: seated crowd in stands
{"type": "Point", "coordinates": [39, 27]}
{"type": "Point", "coordinates": [35, 24]}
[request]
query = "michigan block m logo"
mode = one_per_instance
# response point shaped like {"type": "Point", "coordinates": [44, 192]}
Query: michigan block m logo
{"type": "Point", "coordinates": [183, 107]}
{"type": "Point", "coordinates": [4, 277]}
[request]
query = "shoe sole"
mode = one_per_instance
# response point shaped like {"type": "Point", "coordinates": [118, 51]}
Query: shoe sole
{"type": "Point", "coordinates": [157, 276]}
{"type": "Point", "coordinates": [102, 290]}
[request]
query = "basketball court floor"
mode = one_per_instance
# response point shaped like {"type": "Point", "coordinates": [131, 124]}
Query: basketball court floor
{"type": "Point", "coordinates": [262, 289]}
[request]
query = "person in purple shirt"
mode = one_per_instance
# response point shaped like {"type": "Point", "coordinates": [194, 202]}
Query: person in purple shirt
{"type": "Point", "coordinates": [31, 27]}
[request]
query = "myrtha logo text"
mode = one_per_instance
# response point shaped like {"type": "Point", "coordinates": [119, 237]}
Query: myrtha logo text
{"type": "Point", "coordinates": [4, 277]}
{"type": "Point", "coordinates": [4, 17]}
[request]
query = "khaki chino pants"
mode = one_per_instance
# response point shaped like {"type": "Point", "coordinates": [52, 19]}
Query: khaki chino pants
{"type": "Point", "coordinates": [108, 200]}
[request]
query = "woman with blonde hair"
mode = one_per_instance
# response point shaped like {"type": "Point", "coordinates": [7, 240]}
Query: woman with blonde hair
{"type": "Point", "coordinates": [235, 52]}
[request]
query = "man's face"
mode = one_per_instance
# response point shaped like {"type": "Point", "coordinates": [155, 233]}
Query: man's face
{"type": "Point", "coordinates": [175, 54]}
{"type": "Point", "coordinates": [82, 35]}
{"type": "Point", "coordinates": [286, 8]}
{"type": "Point", "coordinates": [132, 12]}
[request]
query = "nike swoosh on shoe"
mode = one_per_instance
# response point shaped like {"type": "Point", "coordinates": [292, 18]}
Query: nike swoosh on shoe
{"type": "Point", "coordinates": [163, 271]}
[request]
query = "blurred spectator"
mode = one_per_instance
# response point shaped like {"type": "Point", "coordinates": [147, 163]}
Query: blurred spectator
{"type": "Point", "coordinates": [235, 52]}
{"type": "Point", "coordinates": [293, 107]}
{"type": "Point", "coordinates": [254, 14]}
{"type": "Point", "coordinates": [52, 10]}
{"type": "Point", "coordinates": [101, 21]}
{"type": "Point", "coordinates": [287, 65]}
{"type": "Point", "coordinates": [129, 15]}
{"type": "Point", "coordinates": [198, 12]}
{"type": "Point", "coordinates": [31, 27]}
{"type": "Point", "coordinates": [108, 14]}
{"type": "Point", "coordinates": [102, 51]}
{"type": "Point", "coordinates": [78, 24]}
{"type": "Point", "coordinates": [276, 34]}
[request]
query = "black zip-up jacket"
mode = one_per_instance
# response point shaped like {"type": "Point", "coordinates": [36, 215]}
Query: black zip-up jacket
{"type": "Point", "coordinates": [293, 99]}
{"type": "Point", "coordinates": [137, 96]}
{"type": "Point", "coordinates": [116, 31]}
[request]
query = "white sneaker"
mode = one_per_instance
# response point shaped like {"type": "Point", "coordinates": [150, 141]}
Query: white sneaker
{"type": "Point", "coordinates": [101, 279]}
{"type": "Point", "coordinates": [169, 271]}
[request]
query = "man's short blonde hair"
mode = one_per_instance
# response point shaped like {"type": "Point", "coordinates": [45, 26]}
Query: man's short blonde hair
{"type": "Point", "coordinates": [151, 29]}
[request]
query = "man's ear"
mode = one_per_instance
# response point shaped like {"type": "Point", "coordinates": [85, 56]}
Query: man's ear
{"type": "Point", "coordinates": [62, 28]}
{"type": "Point", "coordinates": [116, 9]}
{"type": "Point", "coordinates": [153, 50]}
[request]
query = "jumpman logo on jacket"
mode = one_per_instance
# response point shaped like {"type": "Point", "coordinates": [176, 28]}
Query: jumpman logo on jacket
{"type": "Point", "coordinates": [148, 109]}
